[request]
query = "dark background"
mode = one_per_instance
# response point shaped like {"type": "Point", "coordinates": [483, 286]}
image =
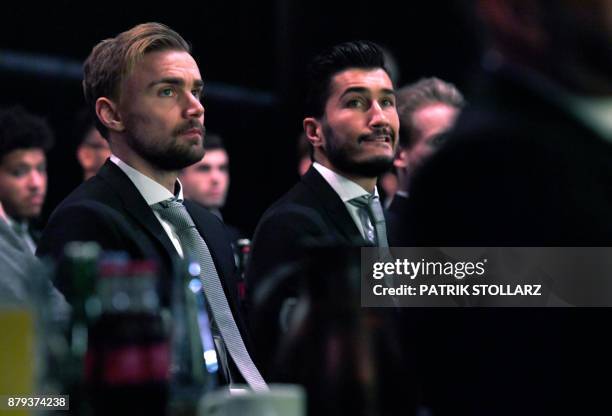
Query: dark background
{"type": "Point", "coordinates": [252, 56]}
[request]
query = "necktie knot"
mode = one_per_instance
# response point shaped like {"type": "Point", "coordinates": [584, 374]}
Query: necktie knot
{"type": "Point", "coordinates": [362, 201]}
{"type": "Point", "coordinates": [175, 213]}
{"type": "Point", "coordinates": [373, 218]}
{"type": "Point", "coordinates": [371, 203]}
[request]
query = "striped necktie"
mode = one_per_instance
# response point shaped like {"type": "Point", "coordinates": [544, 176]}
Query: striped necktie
{"type": "Point", "coordinates": [176, 214]}
{"type": "Point", "coordinates": [372, 219]}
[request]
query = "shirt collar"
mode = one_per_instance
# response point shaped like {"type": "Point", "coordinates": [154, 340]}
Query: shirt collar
{"type": "Point", "coordinates": [151, 191]}
{"type": "Point", "coordinates": [344, 187]}
{"type": "Point", "coordinates": [19, 226]}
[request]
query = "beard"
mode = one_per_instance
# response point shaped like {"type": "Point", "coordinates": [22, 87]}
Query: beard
{"type": "Point", "coordinates": [342, 158]}
{"type": "Point", "coordinates": [164, 153]}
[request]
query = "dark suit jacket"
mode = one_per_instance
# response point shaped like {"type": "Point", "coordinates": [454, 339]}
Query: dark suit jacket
{"type": "Point", "coordinates": [395, 217]}
{"type": "Point", "coordinates": [518, 170]}
{"type": "Point", "coordinates": [310, 213]}
{"type": "Point", "coordinates": [109, 210]}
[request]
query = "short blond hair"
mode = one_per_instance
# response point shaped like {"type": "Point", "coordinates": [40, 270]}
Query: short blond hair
{"type": "Point", "coordinates": [111, 60]}
{"type": "Point", "coordinates": [413, 97]}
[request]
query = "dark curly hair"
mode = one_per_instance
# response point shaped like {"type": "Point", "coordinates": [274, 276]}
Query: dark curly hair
{"type": "Point", "coordinates": [20, 129]}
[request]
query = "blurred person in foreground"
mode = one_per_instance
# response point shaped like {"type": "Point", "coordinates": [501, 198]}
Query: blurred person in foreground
{"type": "Point", "coordinates": [24, 280]}
{"type": "Point", "coordinates": [528, 163]}
{"type": "Point", "coordinates": [304, 151]}
{"type": "Point", "coordinates": [24, 141]}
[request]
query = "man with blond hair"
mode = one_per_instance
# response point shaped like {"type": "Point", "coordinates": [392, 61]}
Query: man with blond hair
{"type": "Point", "coordinates": [145, 89]}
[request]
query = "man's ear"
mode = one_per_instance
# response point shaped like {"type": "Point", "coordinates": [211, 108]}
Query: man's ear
{"type": "Point", "coordinates": [313, 130]}
{"type": "Point", "coordinates": [400, 160]}
{"type": "Point", "coordinates": [84, 156]}
{"type": "Point", "coordinates": [107, 113]}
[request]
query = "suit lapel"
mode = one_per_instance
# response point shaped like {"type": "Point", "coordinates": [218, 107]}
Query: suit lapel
{"type": "Point", "coordinates": [208, 233]}
{"type": "Point", "coordinates": [334, 207]}
{"type": "Point", "coordinates": [134, 203]}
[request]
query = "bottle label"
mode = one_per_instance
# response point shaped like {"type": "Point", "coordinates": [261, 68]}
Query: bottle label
{"type": "Point", "coordinates": [137, 364]}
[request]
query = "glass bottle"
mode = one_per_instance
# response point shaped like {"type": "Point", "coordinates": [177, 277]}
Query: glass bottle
{"type": "Point", "coordinates": [129, 354]}
{"type": "Point", "coordinates": [194, 363]}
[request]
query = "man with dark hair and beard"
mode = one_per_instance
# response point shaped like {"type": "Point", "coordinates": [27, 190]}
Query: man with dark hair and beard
{"type": "Point", "coordinates": [352, 125]}
{"type": "Point", "coordinates": [145, 88]}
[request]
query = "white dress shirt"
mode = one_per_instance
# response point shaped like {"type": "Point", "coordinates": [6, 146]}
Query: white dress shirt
{"type": "Point", "coordinates": [153, 192]}
{"type": "Point", "coordinates": [346, 190]}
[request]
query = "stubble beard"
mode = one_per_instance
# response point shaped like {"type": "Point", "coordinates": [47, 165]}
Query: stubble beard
{"type": "Point", "coordinates": [167, 153]}
{"type": "Point", "coordinates": [340, 158]}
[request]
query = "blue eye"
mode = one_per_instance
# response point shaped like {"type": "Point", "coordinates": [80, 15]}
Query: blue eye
{"type": "Point", "coordinates": [166, 92]}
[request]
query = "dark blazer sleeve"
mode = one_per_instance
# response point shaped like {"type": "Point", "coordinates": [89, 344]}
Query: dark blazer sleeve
{"type": "Point", "coordinates": [395, 216]}
{"type": "Point", "coordinates": [90, 221]}
{"type": "Point", "coordinates": [280, 239]}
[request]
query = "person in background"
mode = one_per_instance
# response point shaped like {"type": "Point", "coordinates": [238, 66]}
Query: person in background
{"type": "Point", "coordinates": [207, 181]}
{"type": "Point", "coordinates": [93, 149]}
{"type": "Point", "coordinates": [24, 141]}
{"type": "Point", "coordinates": [304, 154]}
{"type": "Point", "coordinates": [24, 280]}
{"type": "Point", "coordinates": [427, 109]}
